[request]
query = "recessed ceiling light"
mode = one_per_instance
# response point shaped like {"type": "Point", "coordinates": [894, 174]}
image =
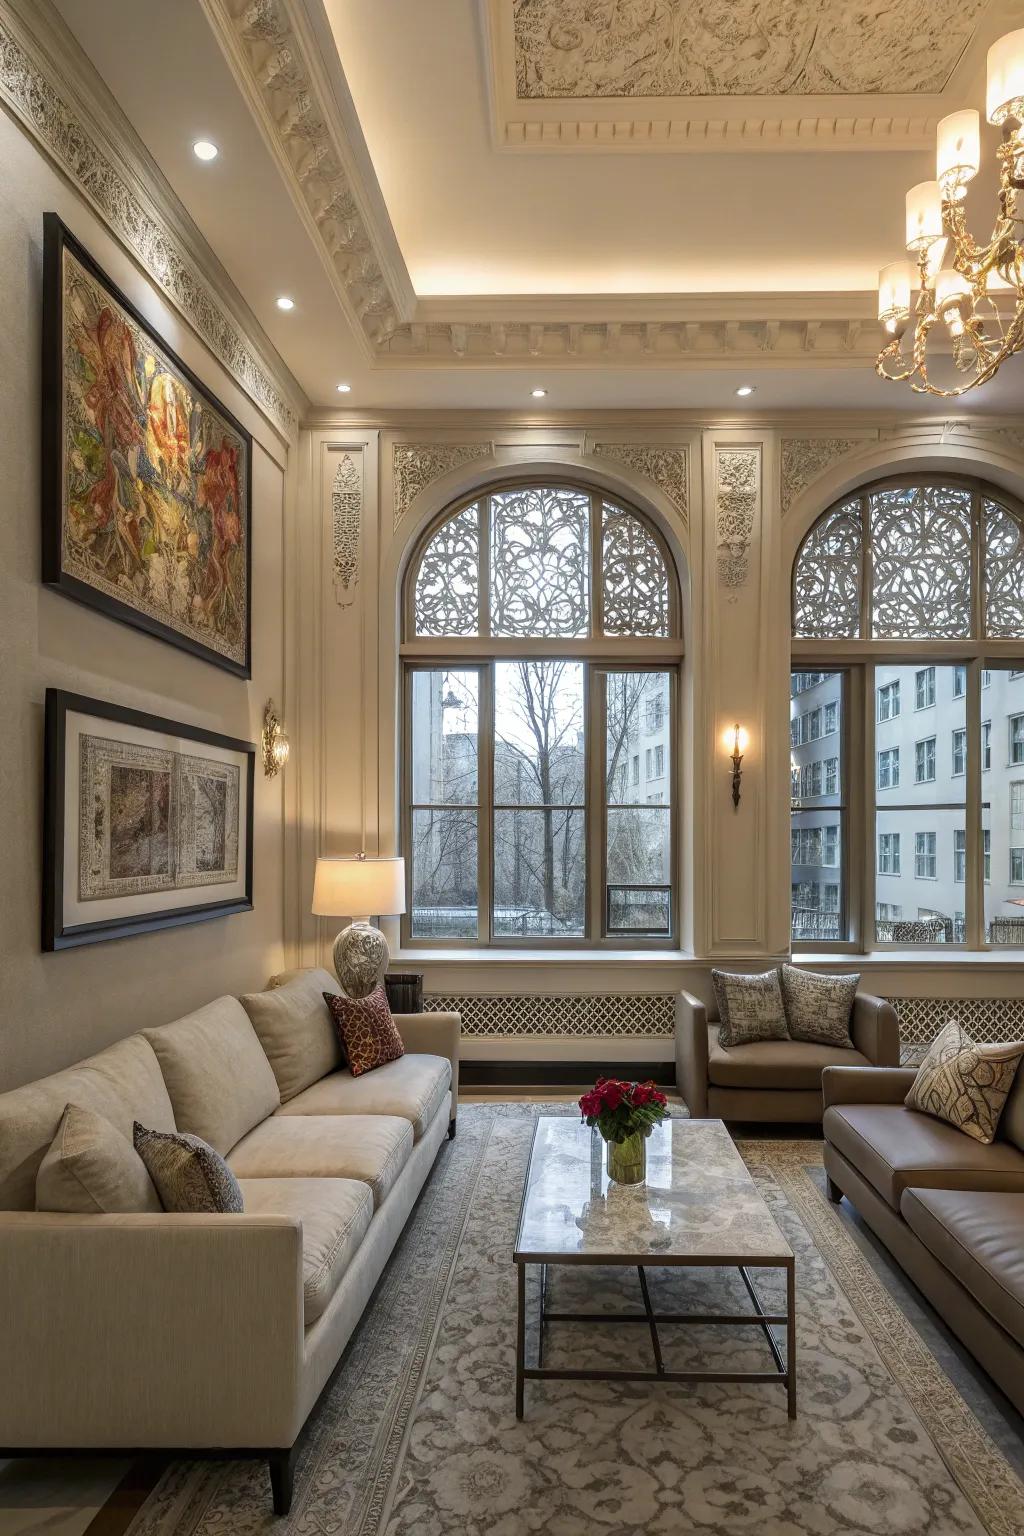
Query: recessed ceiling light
{"type": "Point", "coordinates": [344, 389]}
{"type": "Point", "coordinates": [745, 389]}
{"type": "Point", "coordinates": [284, 302]}
{"type": "Point", "coordinates": [538, 394]}
{"type": "Point", "coordinates": [203, 149]}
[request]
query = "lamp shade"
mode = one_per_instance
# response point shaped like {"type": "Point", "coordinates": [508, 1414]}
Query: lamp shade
{"type": "Point", "coordinates": [1004, 97]}
{"type": "Point", "coordinates": [958, 151]}
{"type": "Point", "coordinates": [359, 887]}
{"type": "Point", "coordinates": [895, 285]}
{"type": "Point", "coordinates": [924, 215]}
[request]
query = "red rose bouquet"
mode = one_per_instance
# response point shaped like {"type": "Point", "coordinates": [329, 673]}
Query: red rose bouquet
{"type": "Point", "coordinates": [621, 1110]}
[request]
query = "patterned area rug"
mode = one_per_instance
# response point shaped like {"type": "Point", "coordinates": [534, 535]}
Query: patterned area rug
{"type": "Point", "coordinates": [418, 1435]}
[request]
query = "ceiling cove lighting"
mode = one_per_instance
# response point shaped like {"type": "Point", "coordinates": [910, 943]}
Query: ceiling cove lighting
{"type": "Point", "coordinates": [951, 282]}
{"type": "Point", "coordinates": [538, 394]}
{"type": "Point", "coordinates": [344, 389]}
{"type": "Point", "coordinates": [284, 302]}
{"type": "Point", "coordinates": [205, 149]}
{"type": "Point", "coordinates": [745, 390]}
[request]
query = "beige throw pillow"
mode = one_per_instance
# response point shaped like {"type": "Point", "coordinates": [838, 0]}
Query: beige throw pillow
{"type": "Point", "coordinates": [188, 1173]}
{"type": "Point", "coordinates": [818, 1007]}
{"type": "Point", "coordinates": [749, 1008]}
{"type": "Point", "coordinates": [92, 1168]}
{"type": "Point", "coordinates": [296, 1030]}
{"type": "Point", "coordinates": [965, 1084]}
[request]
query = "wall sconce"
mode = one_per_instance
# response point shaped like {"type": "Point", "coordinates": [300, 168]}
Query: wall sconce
{"type": "Point", "coordinates": [274, 743]}
{"type": "Point", "coordinates": [736, 744]}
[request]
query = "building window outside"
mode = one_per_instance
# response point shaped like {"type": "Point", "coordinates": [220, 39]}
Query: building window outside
{"type": "Point", "coordinates": [889, 768]}
{"type": "Point", "coordinates": [832, 776]}
{"type": "Point", "coordinates": [960, 855]}
{"type": "Point", "coordinates": [831, 719]}
{"type": "Point", "coordinates": [924, 688]}
{"type": "Point", "coordinates": [888, 853]}
{"type": "Point", "coordinates": [924, 761]}
{"type": "Point", "coordinates": [959, 682]}
{"type": "Point", "coordinates": [959, 752]}
{"type": "Point", "coordinates": [888, 701]}
{"type": "Point", "coordinates": [1016, 739]}
{"type": "Point", "coordinates": [925, 860]}
{"type": "Point", "coordinates": [1017, 805]}
{"type": "Point", "coordinates": [986, 854]}
{"type": "Point", "coordinates": [1017, 866]}
{"type": "Point", "coordinates": [986, 745]}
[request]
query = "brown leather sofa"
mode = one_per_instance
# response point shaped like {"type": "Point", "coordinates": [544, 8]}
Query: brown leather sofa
{"type": "Point", "coordinates": [949, 1209]}
{"type": "Point", "coordinates": [772, 1079]}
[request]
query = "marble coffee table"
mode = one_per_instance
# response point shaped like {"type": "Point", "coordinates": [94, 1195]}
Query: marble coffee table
{"type": "Point", "coordinates": [698, 1207]}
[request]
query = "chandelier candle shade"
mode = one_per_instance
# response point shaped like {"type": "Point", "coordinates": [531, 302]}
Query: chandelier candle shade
{"type": "Point", "coordinates": [351, 887]}
{"type": "Point", "coordinates": [961, 292]}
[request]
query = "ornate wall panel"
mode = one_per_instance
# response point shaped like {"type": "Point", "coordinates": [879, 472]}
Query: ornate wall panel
{"type": "Point", "coordinates": [34, 93]}
{"type": "Point", "coordinates": [803, 459]}
{"type": "Point", "coordinates": [737, 501]}
{"type": "Point", "coordinates": [643, 1016]}
{"type": "Point", "coordinates": [667, 467]}
{"type": "Point", "coordinates": [346, 520]}
{"type": "Point", "coordinates": [414, 466]}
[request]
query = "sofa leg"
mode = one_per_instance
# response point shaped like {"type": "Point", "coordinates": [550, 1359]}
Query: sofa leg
{"type": "Point", "coordinates": [282, 1479]}
{"type": "Point", "coordinates": [835, 1194]}
{"type": "Point", "coordinates": [451, 1129]}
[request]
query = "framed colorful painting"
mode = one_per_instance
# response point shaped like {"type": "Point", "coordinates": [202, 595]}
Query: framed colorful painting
{"type": "Point", "coordinates": [147, 822]}
{"type": "Point", "coordinates": [146, 477]}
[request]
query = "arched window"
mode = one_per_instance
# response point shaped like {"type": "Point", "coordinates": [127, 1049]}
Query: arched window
{"type": "Point", "coordinates": [541, 647]}
{"type": "Point", "coordinates": [907, 718]}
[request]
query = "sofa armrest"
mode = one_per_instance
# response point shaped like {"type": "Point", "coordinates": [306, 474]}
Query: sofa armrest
{"type": "Point", "coordinates": [866, 1085]}
{"type": "Point", "coordinates": [692, 1053]}
{"type": "Point", "coordinates": [875, 1030]}
{"type": "Point", "coordinates": [154, 1329]}
{"type": "Point", "coordinates": [434, 1034]}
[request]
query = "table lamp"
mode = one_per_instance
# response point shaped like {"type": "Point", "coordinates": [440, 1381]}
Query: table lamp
{"type": "Point", "coordinates": [349, 887]}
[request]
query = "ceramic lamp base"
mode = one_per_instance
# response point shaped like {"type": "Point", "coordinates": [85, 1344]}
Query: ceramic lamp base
{"type": "Point", "coordinates": [361, 957]}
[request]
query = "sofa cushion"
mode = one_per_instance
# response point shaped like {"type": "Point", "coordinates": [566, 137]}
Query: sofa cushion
{"type": "Point", "coordinates": [979, 1238]}
{"type": "Point", "coordinates": [217, 1075]}
{"type": "Point", "coordinates": [122, 1083]}
{"type": "Point", "coordinates": [190, 1175]}
{"type": "Point", "coordinates": [368, 1033]}
{"type": "Point", "coordinates": [92, 1169]}
{"type": "Point", "coordinates": [749, 1007]}
{"type": "Point", "coordinates": [774, 1063]}
{"type": "Point", "coordinates": [411, 1087]}
{"type": "Point", "coordinates": [1011, 1126]}
{"type": "Point", "coordinates": [818, 1007]}
{"type": "Point", "coordinates": [335, 1214]}
{"type": "Point", "coordinates": [895, 1149]}
{"type": "Point", "coordinates": [371, 1148]}
{"type": "Point", "coordinates": [965, 1084]}
{"type": "Point", "coordinates": [296, 1030]}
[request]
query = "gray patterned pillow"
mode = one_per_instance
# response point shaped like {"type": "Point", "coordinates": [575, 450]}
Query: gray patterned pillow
{"type": "Point", "coordinates": [749, 1008]}
{"type": "Point", "coordinates": [965, 1084]}
{"type": "Point", "coordinates": [818, 1008]}
{"type": "Point", "coordinates": [189, 1175]}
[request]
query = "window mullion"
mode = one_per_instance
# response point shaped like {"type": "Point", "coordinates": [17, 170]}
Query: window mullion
{"type": "Point", "coordinates": [974, 883]}
{"type": "Point", "coordinates": [595, 737]}
{"type": "Point", "coordinates": [485, 806]}
{"type": "Point", "coordinates": [484, 565]}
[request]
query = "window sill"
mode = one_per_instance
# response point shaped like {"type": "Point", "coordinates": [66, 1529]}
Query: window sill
{"type": "Point", "coordinates": [682, 960]}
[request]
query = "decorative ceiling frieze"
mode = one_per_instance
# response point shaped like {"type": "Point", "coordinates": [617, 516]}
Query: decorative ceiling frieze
{"type": "Point", "coordinates": [59, 119]}
{"type": "Point", "coordinates": [574, 48]}
{"type": "Point", "coordinates": [414, 466]}
{"type": "Point", "coordinates": [667, 467]}
{"type": "Point", "coordinates": [804, 459]}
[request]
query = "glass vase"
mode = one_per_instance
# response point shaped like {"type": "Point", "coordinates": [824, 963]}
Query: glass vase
{"type": "Point", "coordinates": [627, 1160]}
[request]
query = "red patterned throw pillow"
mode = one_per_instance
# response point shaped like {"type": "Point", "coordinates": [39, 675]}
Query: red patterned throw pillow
{"type": "Point", "coordinates": [369, 1036]}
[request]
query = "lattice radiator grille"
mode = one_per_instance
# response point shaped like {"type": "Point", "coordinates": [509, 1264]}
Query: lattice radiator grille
{"type": "Point", "coordinates": [651, 1015]}
{"type": "Point", "coordinates": [986, 1019]}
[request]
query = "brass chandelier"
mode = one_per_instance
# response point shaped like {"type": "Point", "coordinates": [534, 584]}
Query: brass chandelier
{"type": "Point", "coordinates": [951, 287]}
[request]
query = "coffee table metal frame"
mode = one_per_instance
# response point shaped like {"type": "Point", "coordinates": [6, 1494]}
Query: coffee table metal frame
{"type": "Point", "coordinates": [783, 1373]}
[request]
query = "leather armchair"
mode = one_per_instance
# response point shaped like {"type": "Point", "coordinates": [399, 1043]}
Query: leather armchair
{"type": "Point", "coordinates": [775, 1080]}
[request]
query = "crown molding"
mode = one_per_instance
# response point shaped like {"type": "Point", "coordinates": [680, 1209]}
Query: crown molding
{"type": "Point", "coordinates": [54, 93]}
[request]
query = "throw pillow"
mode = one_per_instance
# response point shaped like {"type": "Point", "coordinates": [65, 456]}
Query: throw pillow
{"type": "Point", "coordinates": [749, 1008]}
{"type": "Point", "coordinates": [91, 1167]}
{"type": "Point", "coordinates": [369, 1035]}
{"type": "Point", "coordinates": [965, 1084]}
{"type": "Point", "coordinates": [818, 1008]}
{"type": "Point", "coordinates": [189, 1175]}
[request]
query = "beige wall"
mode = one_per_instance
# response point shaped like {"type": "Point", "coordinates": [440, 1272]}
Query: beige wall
{"type": "Point", "coordinates": [55, 1008]}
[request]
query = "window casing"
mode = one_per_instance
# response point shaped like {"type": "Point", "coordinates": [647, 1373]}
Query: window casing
{"type": "Point", "coordinates": [563, 606]}
{"type": "Point", "coordinates": [917, 585]}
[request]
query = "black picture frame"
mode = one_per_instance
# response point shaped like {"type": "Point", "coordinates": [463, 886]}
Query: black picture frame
{"type": "Point", "coordinates": [56, 239]}
{"type": "Point", "coordinates": [57, 933]}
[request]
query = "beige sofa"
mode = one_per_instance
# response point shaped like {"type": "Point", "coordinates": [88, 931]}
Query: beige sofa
{"type": "Point", "coordinates": [948, 1208]}
{"type": "Point", "coordinates": [214, 1334]}
{"type": "Point", "coordinates": [776, 1080]}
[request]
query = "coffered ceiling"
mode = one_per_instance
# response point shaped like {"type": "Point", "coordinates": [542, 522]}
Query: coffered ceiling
{"type": "Point", "coordinates": [438, 255]}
